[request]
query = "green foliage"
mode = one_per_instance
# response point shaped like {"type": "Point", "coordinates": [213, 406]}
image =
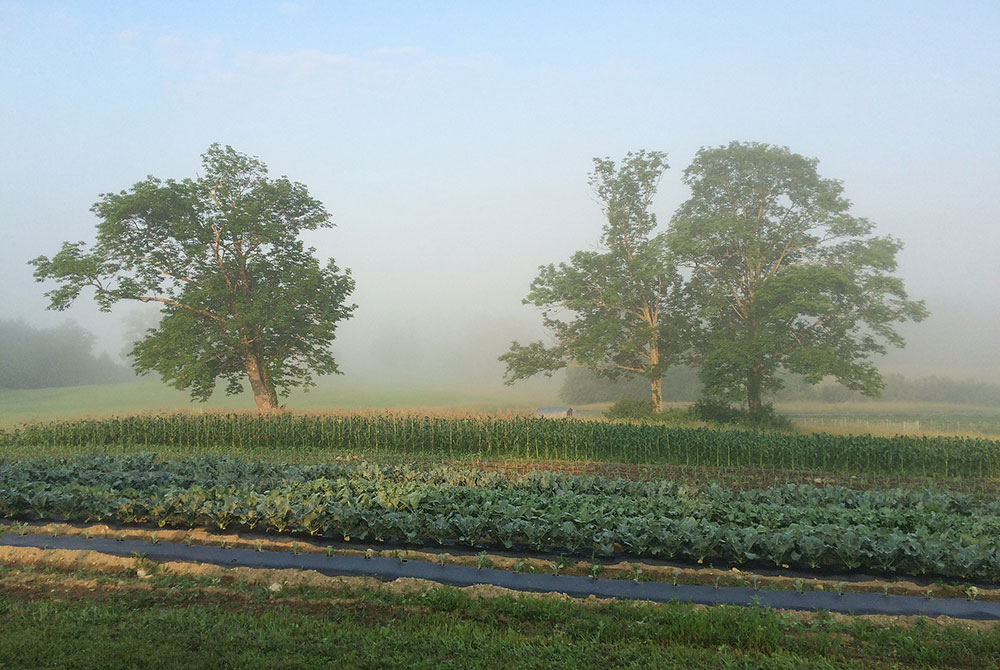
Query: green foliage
{"type": "Point", "coordinates": [182, 624]}
{"type": "Point", "coordinates": [721, 411]}
{"type": "Point", "coordinates": [641, 409]}
{"type": "Point", "coordinates": [787, 278]}
{"type": "Point", "coordinates": [767, 418]}
{"type": "Point", "coordinates": [241, 295]}
{"type": "Point", "coordinates": [806, 527]}
{"type": "Point", "coordinates": [714, 409]}
{"type": "Point", "coordinates": [34, 358]}
{"type": "Point", "coordinates": [532, 438]}
{"type": "Point", "coordinates": [631, 408]}
{"type": "Point", "coordinates": [621, 311]}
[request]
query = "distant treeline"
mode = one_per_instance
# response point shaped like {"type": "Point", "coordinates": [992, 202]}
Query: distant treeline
{"type": "Point", "coordinates": [681, 384]}
{"type": "Point", "coordinates": [941, 389]}
{"type": "Point", "coordinates": [32, 358]}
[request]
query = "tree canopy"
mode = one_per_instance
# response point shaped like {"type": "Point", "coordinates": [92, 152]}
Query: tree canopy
{"type": "Point", "coordinates": [787, 278]}
{"type": "Point", "coordinates": [242, 297]}
{"type": "Point", "coordinates": [619, 311]}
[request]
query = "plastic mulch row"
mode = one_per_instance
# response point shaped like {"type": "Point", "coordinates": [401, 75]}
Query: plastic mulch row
{"type": "Point", "coordinates": [388, 569]}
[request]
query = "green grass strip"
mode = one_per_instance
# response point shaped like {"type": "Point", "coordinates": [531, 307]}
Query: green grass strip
{"type": "Point", "coordinates": [176, 625]}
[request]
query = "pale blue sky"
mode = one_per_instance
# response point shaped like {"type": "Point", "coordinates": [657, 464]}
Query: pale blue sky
{"type": "Point", "coordinates": [452, 141]}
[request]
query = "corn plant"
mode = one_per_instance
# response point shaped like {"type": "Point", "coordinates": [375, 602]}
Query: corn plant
{"type": "Point", "coordinates": [531, 438]}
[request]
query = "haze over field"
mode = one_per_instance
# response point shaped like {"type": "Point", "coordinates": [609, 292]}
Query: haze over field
{"type": "Point", "coordinates": [452, 144]}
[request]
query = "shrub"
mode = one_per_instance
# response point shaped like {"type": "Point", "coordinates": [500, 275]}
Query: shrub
{"type": "Point", "coordinates": [716, 410]}
{"type": "Point", "coordinates": [641, 409]}
{"type": "Point", "coordinates": [766, 417]}
{"type": "Point", "coordinates": [630, 408]}
{"type": "Point", "coordinates": [720, 410]}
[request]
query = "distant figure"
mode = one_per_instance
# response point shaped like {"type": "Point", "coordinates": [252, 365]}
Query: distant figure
{"type": "Point", "coordinates": [554, 412]}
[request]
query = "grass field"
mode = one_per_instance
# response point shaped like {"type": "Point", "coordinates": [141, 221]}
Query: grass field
{"type": "Point", "coordinates": [92, 617]}
{"type": "Point", "coordinates": [149, 395]}
{"type": "Point", "coordinates": [882, 418]}
{"type": "Point", "coordinates": [877, 417]}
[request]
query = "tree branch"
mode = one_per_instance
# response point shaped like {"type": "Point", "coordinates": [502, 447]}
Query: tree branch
{"type": "Point", "coordinates": [165, 301]}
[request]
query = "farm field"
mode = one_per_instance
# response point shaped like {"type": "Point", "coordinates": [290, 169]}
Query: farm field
{"type": "Point", "coordinates": [807, 513]}
{"type": "Point", "coordinates": [509, 335]}
{"type": "Point", "coordinates": [193, 617]}
{"type": "Point", "coordinates": [147, 395]}
{"type": "Point", "coordinates": [425, 437]}
{"type": "Point", "coordinates": [894, 532]}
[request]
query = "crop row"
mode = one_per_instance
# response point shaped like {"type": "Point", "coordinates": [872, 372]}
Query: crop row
{"type": "Point", "coordinates": [498, 438]}
{"type": "Point", "coordinates": [145, 470]}
{"type": "Point", "coordinates": [805, 527]}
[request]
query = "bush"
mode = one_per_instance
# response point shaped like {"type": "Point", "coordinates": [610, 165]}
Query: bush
{"type": "Point", "coordinates": [630, 408]}
{"type": "Point", "coordinates": [641, 409]}
{"type": "Point", "coordinates": [716, 410]}
{"type": "Point", "coordinates": [766, 417]}
{"type": "Point", "coordinates": [720, 410]}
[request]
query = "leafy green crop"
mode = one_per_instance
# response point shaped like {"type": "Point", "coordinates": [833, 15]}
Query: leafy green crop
{"type": "Point", "coordinates": [894, 531]}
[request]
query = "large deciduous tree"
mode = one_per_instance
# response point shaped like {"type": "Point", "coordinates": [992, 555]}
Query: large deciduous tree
{"type": "Point", "coordinates": [619, 311]}
{"type": "Point", "coordinates": [787, 278]}
{"type": "Point", "coordinates": [242, 297]}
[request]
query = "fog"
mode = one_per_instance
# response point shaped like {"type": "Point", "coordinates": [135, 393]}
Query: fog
{"type": "Point", "coordinates": [452, 146]}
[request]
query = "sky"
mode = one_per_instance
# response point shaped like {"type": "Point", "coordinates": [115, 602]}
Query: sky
{"type": "Point", "coordinates": [452, 141]}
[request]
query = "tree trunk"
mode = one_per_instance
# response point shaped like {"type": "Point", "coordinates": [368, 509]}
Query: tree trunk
{"type": "Point", "coordinates": [656, 383]}
{"type": "Point", "coordinates": [656, 387]}
{"type": "Point", "coordinates": [755, 385]}
{"type": "Point", "coordinates": [263, 391]}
